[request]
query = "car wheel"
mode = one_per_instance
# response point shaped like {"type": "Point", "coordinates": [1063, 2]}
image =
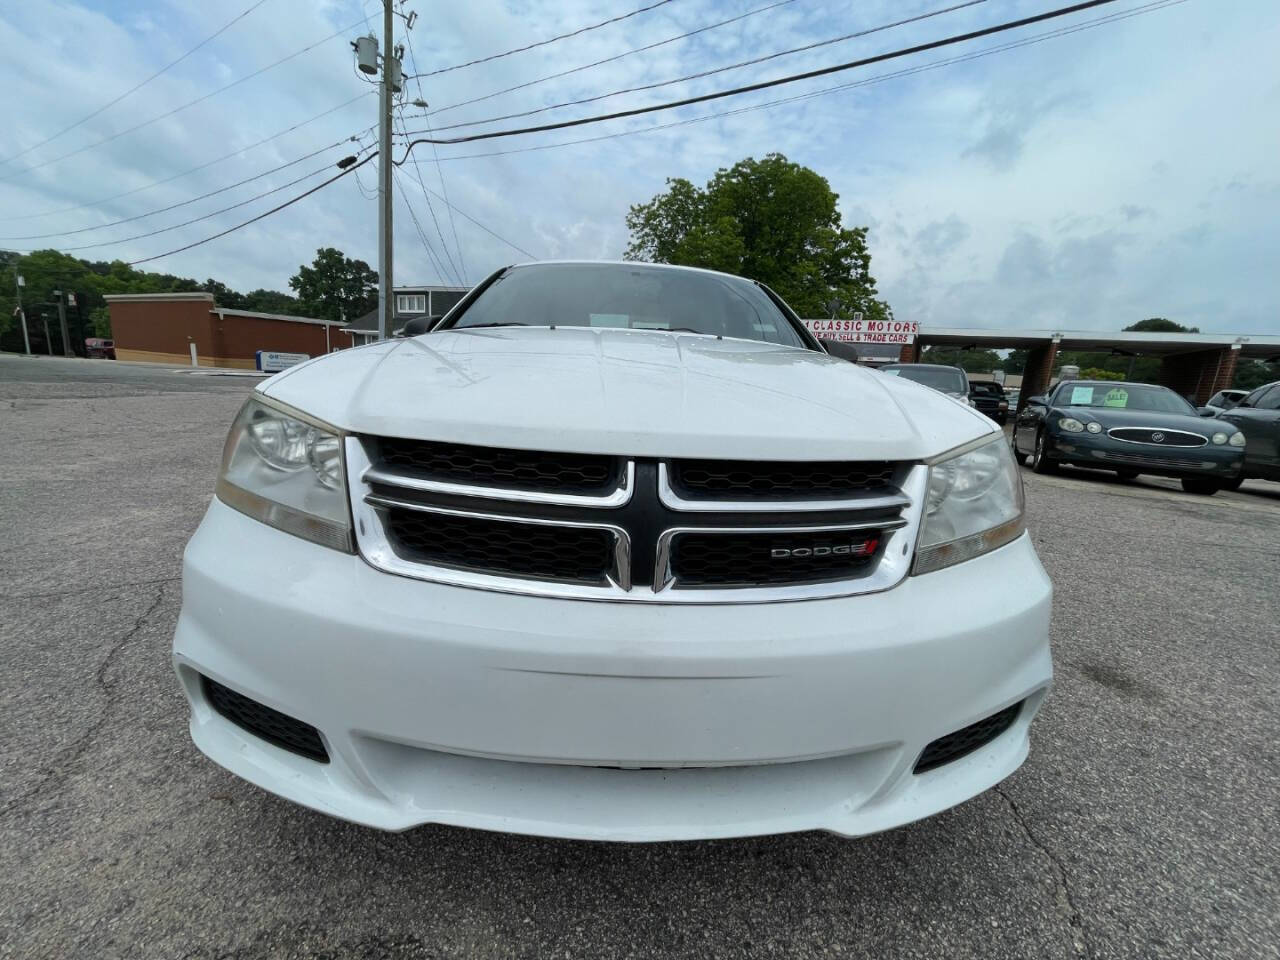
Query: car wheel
{"type": "Point", "coordinates": [1232, 484]}
{"type": "Point", "coordinates": [1200, 486]}
{"type": "Point", "coordinates": [1127, 474]}
{"type": "Point", "coordinates": [1040, 461]}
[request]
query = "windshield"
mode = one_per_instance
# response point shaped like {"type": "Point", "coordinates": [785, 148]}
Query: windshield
{"type": "Point", "coordinates": [630, 297]}
{"type": "Point", "coordinates": [1123, 396]}
{"type": "Point", "coordinates": [946, 379]}
{"type": "Point", "coordinates": [986, 389]}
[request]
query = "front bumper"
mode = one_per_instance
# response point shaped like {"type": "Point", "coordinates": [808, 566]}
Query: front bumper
{"type": "Point", "coordinates": [597, 720]}
{"type": "Point", "coordinates": [1097, 450]}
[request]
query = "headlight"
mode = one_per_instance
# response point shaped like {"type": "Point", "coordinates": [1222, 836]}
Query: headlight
{"type": "Point", "coordinates": [1093, 426]}
{"type": "Point", "coordinates": [1071, 425]}
{"type": "Point", "coordinates": [974, 505]}
{"type": "Point", "coordinates": [1219, 438]}
{"type": "Point", "coordinates": [1237, 440]}
{"type": "Point", "coordinates": [286, 470]}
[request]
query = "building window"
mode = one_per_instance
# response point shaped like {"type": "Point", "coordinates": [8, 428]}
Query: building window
{"type": "Point", "coordinates": [411, 303]}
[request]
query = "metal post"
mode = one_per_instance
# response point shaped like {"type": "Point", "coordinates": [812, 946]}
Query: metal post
{"type": "Point", "coordinates": [48, 340]}
{"type": "Point", "coordinates": [385, 103]}
{"type": "Point", "coordinates": [22, 314]}
{"type": "Point", "coordinates": [62, 322]}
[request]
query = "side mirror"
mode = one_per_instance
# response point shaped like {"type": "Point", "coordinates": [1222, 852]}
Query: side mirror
{"type": "Point", "coordinates": [1040, 399]}
{"type": "Point", "coordinates": [1208, 412]}
{"type": "Point", "coordinates": [841, 349]}
{"type": "Point", "coordinates": [418, 326]}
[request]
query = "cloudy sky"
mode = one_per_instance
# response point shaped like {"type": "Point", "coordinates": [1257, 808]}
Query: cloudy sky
{"type": "Point", "coordinates": [1081, 181]}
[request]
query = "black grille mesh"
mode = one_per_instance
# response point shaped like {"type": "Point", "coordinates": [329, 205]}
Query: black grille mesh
{"type": "Point", "coordinates": [966, 740]}
{"type": "Point", "coordinates": [262, 721]}
{"type": "Point", "coordinates": [724, 479]}
{"type": "Point", "coordinates": [496, 467]}
{"type": "Point", "coordinates": [748, 560]}
{"type": "Point", "coordinates": [503, 548]}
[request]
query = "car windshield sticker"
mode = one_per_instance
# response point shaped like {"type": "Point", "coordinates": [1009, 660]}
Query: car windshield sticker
{"type": "Point", "coordinates": [1082, 396]}
{"type": "Point", "coordinates": [1116, 398]}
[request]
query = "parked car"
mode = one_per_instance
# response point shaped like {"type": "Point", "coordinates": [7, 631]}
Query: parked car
{"type": "Point", "coordinates": [1257, 416]}
{"type": "Point", "coordinates": [1131, 428]}
{"type": "Point", "coordinates": [1011, 395]}
{"type": "Point", "coordinates": [1222, 401]}
{"type": "Point", "coordinates": [987, 397]}
{"type": "Point", "coordinates": [952, 381]}
{"type": "Point", "coordinates": [99, 348]}
{"type": "Point", "coordinates": [614, 552]}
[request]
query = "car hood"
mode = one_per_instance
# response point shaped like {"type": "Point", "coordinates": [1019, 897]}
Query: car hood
{"type": "Point", "coordinates": [1117, 417]}
{"type": "Point", "coordinates": [630, 392]}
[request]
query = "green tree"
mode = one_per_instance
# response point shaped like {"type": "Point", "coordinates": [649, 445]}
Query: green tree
{"type": "Point", "coordinates": [334, 284]}
{"type": "Point", "coordinates": [1097, 373]}
{"type": "Point", "coordinates": [772, 220]}
{"type": "Point", "coordinates": [100, 322]}
{"type": "Point", "coordinates": [970, 361]}
{"type": "Point", "coordinates": [1254, 373]}
{"type": "Point", "coordinates": [1160, 325]}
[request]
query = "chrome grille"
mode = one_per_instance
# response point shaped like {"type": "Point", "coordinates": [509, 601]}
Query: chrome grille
{"type": "Point", "coordinates": [803, 531]}
{"type": "Point", "coordinates": [1158, 436]}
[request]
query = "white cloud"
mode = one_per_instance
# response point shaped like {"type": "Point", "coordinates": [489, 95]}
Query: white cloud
{"type": "Point", "coordinates": [1086, 181]}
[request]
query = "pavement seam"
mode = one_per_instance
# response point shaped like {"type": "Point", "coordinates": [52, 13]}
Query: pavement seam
{"type": "Point", "coordinates": [4, 598]}
{"type": "Point", "coordinates": [1074, 917]}
{"type": "Point", "coordinates": [81, 744]}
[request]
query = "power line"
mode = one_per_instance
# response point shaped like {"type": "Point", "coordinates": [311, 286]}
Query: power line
{"type": "Point", "coordinates": [262, 216]}
{"type": "Point", "coordinates": [494, 233]}
{"type": "Point", "coordinates": [422, 237]}
{"type": "Point", "coordinates": [766, 84]}
{"type": "Point", "coordinates": [207, 216]}
{"type": "Point", "coordinates": [597, 63]}
{"type": "Point", "coordinates": [543, 43]}
{"type": "Point", "coordinates": [1048, 15]}
{"type": "Point", "coordinates": [879, 78]}
{"type": "Point", "coordinates": [134, 89]}
{"type": "Point", "coordinates": [444, 247]}
{"type": "Point", "coordinates": [707, 73]}
{"type": "Point", "coordinates": [453, 227]}
{"type": "Point", "coordinates": [195, 169]}
{"type": "Point", "coordinates": [179, 109]}
{"type": "Point", "coordinates": [184, 203]}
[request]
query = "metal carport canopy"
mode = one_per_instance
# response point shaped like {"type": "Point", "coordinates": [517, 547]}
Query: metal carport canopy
{"type": "Point", "coordinates": [1159, 344]}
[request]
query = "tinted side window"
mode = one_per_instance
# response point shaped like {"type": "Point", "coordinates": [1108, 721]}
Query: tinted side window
{"type": "Point", "coordinates": [1269, 400]}
{"type": "Point", "coordinates": [1253, 398]}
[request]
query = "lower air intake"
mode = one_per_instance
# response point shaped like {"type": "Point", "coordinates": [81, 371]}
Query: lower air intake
{"type": "Point", "coordinates": [966, 740]}
{"type": "Point", "coordinates": [263, 722]}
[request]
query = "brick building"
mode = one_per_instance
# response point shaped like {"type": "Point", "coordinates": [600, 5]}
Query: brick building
{"type": "Point", "coordinates": [163, 327]}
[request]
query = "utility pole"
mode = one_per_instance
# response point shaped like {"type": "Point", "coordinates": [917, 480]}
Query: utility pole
{"type": "Point", "coordinates": [22, 314]}
{"type": "Point", "coordinates": [386, 303]}
{"type": "Point", "coordinates": [62, 322]}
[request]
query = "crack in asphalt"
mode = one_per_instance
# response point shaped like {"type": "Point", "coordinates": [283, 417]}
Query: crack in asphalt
{"type": "Point", "coordinates": [5, 598]}
{"type": "Point", "coordinates": [1074, 918]}
{"type": "Point", "coordinates": [81, 743]}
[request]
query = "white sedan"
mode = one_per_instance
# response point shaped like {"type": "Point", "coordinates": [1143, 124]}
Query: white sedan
{"type": "Point", "coordinates": [616, 552]}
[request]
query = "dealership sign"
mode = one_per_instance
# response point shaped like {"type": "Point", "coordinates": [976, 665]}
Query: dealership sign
{"type": "Point", "coordinates": [857, 329]}
{"type": "Point", "coordinates": [271, 361]}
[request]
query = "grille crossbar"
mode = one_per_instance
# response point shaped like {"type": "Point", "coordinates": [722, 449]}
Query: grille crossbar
{"type": "Point", "coordinates": [840, 529]}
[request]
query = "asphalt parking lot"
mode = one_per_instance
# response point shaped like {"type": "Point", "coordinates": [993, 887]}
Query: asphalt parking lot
{"type": "Point", "coordinates": [1146, 822]}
